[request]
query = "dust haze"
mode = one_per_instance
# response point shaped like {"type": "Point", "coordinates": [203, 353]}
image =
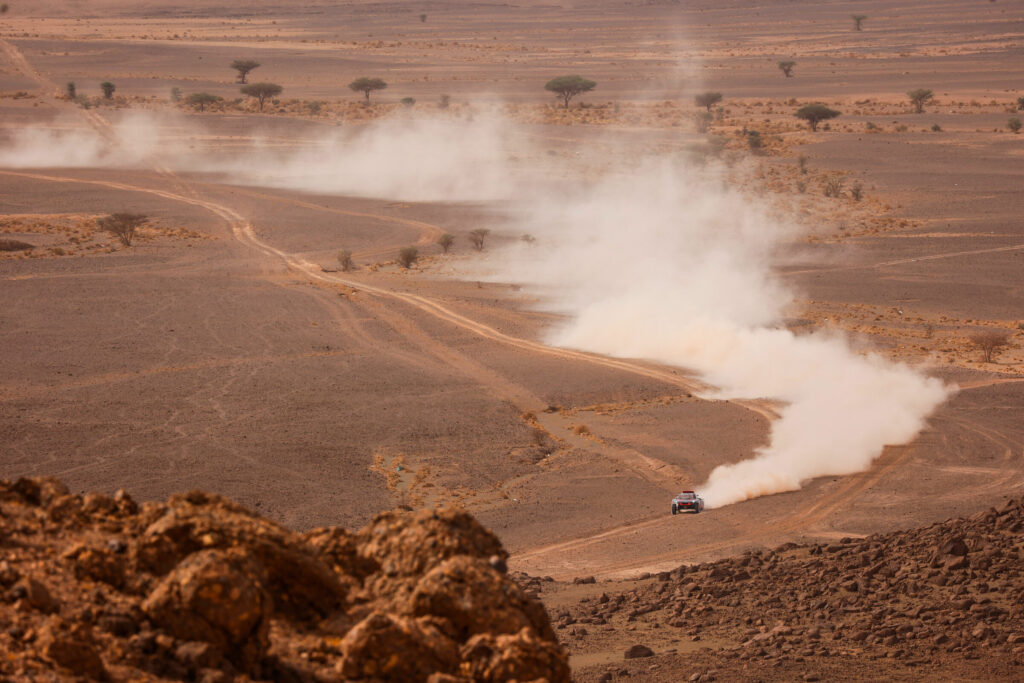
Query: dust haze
{"type": "Point", "coordinates": [656, 258]}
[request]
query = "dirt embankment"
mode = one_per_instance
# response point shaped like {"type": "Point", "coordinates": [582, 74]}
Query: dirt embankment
{"type": "Point", "coordinates": [202, 589]}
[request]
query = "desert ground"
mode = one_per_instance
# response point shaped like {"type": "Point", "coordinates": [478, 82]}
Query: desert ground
{"type": "Point", "coordinates": [227, 350]}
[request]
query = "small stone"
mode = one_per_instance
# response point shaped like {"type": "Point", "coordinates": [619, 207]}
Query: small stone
{"type": "Point", "coordinates": [638, 651]}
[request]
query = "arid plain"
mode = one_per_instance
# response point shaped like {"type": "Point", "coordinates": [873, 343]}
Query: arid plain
{"type": "Point", "coordinates": [226, 349]}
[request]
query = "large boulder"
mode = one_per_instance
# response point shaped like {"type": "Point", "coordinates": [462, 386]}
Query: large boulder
{"type": "Point", "coordinates": [408, 545]}
{"type": "Point", "coordinates": [475, 598]}
{"type": "Point", "coordinates": [218, 597]}
{"type": "Point", "coordinates": [383, 647]}
{"type": "Point", "coordinates": [306, 588]}
{"type": "Point", "coordinates": [521, 656]}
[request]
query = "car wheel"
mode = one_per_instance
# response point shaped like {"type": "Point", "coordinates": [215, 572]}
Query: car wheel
{"type": "Point", "coordinates": [675, 510]}
{"type": "Point", "coordinates": [696, 509]}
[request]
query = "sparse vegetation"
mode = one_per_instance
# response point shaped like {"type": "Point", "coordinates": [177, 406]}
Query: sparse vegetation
{"type": "Point", "coordinates": [345, 260]}
{"type": "Point", "coordinates": [754, 141]}
{"type": "Point", "coordinates": [477, 237]}
{"type": "Point", "coordinates": [801, 162]}
{"type": "Point", "coordinates": [446, 241]}
{"type": "Point", "coordinates": [4, 8]}
{"type": "Point", "coordinates": [527, 238]}
{"type": "Point", "coordinates": [407, 256]}
{"type": "Point", "coordinates": [858, 21]}
{"type": "Point", "coordinates": [70, 90]}
{"type": "Point", "coordinates": [123, 225]}
{"type": "Point", "coordinates": [919, 97]}
{"type": "Point", "coordinates": [444, 101]}
{"type": "Point", "coordinates": [243, 67]}
{"type": "Point", "coordinates": [708, 99]}
{"type": "Point", "coordinates": [936, 128]}
{"type": "Point", "coordinates": [991, 342]}
{"type": "Point", "coordinates": [367, 86]}
{"type": "Point", "coordinates": [202, 99]}
{"type": "Point", "coordinates": [857, 192]}
{"type": "Point", "coordinates": [834, 187]}
{"type": "Point", "coordinates": [815, 113]}
{"type": "Point", "coordinates": [175, 94]}
{"type": "Point", "coordinates": [423, 18]}
{"type": "Point", "coordinates": [408, 101]}
{"type": "Point", "coordinates": [786, 67]}
{"type": "Point", "coordinates": [1020, 103]}
{"type": "Point", "coordinates": [1014, 124]}
{"type": "Point", "coordinates": [261, 91]}
{"type": "Point", "coordinates": [108, 89]}
{"type": "Point", "coordinates": [568, 87]}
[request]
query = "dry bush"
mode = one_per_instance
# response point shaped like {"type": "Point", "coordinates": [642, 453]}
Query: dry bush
{"type": "Point", "coordinates": [446, 241]}
{"type": "Point", "coordinates": [123, 225]}
{"type": "Point", "coordinates": [581, 430]}
{"type": "Point", "coordinates": [991, 342]}
{"type": "Point", "coordinates": [345, 260]}
{"type": "Point", "coordinates": [408, 256]}
{"type": "Point", "coordinates": [834, 187]}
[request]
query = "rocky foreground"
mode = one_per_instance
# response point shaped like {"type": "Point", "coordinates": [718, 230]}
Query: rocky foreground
{"type": "Point", "coordinates": [936, 603]}
{"type": "Point", "coordinates": [199, 588]}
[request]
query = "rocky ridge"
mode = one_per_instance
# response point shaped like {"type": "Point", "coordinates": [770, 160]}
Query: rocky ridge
{"type": "Point", "coordinates": [200, 588]}
{"type": "Point", "coordinates": [953, 591]}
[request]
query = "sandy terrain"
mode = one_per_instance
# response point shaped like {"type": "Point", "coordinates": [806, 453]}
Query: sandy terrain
{"type": "Point", "coordinates": [226, 350]}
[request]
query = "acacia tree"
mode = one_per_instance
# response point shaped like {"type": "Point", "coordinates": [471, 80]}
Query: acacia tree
{"type": "Point", "coordinates": [991, 342]}
{"type": "Point", "coordinates": [815, 113]}
{"type": "Point", "coordinates": [708, 99]}
{"type": "Point", "coordinates": [477, 237]}
{"type": "Point", "coordinates": [446, 241]}
{"type": "Point", "coordinates": [858, 19]}
{"type": "Point", "coordinates": [108, 89]}
{"type": "Point", "coordinates": [786, 67]}
{"type": "Point", "coordinates": [71, 90]}
{"type": "Point", "coordinates": [568, 87]}
{"type": "Point", "coordinates": [1014, 125]}
{"type": "Point", "coordinates": [122, 225]}
{"type": "Point", "coordinates": [920, 97]}
{"type": "Point", "coordinates": [243, 67]}
{"type": "Point", "coordinates": [261, 91]}
{"type": "Point", "coordinates": [201, 99]}
{"type": "Point", "coordinates": [367, 85]}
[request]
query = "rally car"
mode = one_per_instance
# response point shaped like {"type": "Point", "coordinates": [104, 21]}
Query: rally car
{"type": "Point", "coordinates": [687, 500]}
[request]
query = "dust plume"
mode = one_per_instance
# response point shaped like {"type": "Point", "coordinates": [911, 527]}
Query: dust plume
{"type": "Point", "coordinates": [402, 157]}
{"type": "Point", "coordinates": [666, 262]}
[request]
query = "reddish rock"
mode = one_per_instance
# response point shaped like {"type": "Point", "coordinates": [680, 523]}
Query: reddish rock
{"type": "Point", "coordinates": [521, 656]}
{"type": "Point", "coordinates": [384, 647]}
{"type": "Point", "coordinates": [218, 597]}
{"type": "Point", "coordinates": [638, 651]}
{"type": "Point", "coordinates": [471, 595]}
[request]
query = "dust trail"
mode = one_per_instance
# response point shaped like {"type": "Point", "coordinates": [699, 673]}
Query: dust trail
{"type": "Point", "coordinates": [666, 262]}
{"type": "Point", "coordinates": [654, 258]}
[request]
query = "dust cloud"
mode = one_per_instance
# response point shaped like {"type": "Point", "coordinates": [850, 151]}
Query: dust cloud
{"type": "Point", "coordinates": [665, 261]}
{"type": "Point", "coordinates": [658, 258]}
